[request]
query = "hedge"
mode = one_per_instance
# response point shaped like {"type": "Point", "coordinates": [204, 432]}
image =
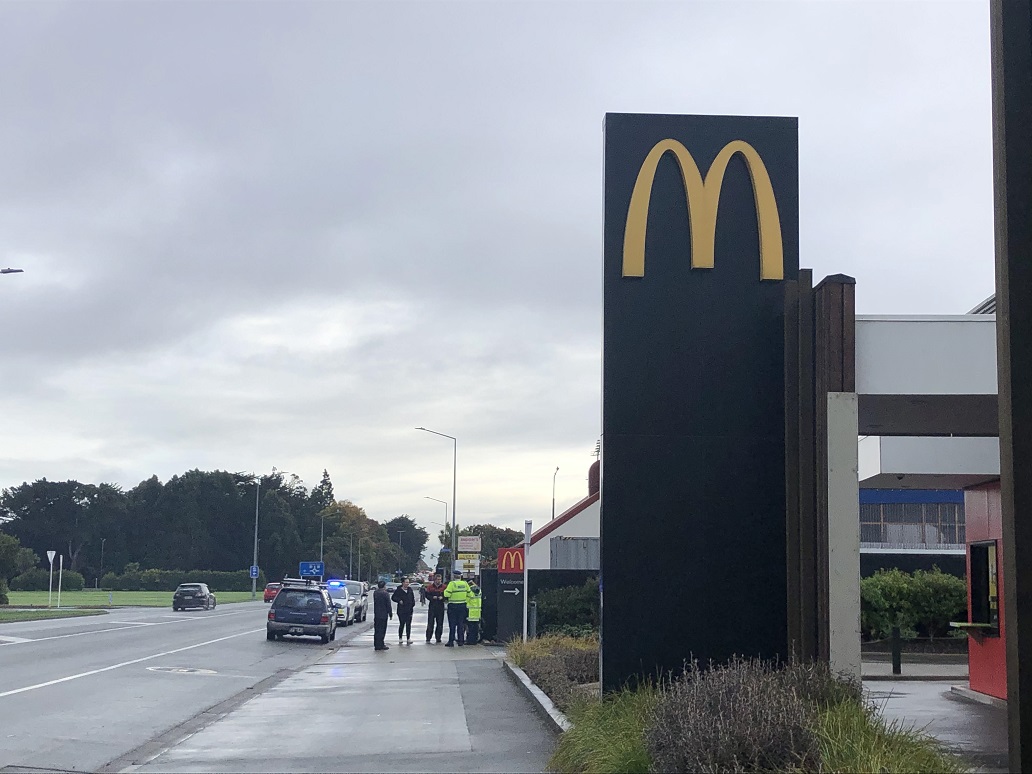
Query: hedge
{"type": "Point", "coordinates": [922, 604]}
{"type": "Point", "coordinates": [570, 610]}
{"type": "Point", "coordinates": [135, 579]}
{"type": "Point", "coordinates": [38, 579]}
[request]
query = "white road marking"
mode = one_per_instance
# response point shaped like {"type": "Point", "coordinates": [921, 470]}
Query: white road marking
{"type": "Point", "coordinates": [125, 663]}
{"type": "Point", "coordinates": [117, 628]}
{"type": "Point", "coordinates": [12, 640]}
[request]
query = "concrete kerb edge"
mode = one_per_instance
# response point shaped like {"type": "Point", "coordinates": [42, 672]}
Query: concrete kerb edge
{"type": "Point", "coordinates": [963, 692]}
{"type": "Point", "coordinates": [917, 678]}
{"type": "Point", "coordinates": [539, 698]}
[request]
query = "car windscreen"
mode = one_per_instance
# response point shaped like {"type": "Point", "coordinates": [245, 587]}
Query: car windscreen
{"type": "Point", "coordinates": [298, 599]}
{"type": "Point", "coordinates": [338, 592]}
{"type": "Point", "coordinates": [355, 587]}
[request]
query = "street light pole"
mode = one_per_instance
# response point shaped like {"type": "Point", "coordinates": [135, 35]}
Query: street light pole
{"type": "Point", "coordinates": [553, 490]}
{"type": "Point", "coordinates": [400, 549]}
{"type": "Point", "coordinates": [254, 560]}
{"type": "Point", "coordinates": [102, 541]}
{"type": "Point", "coordinates": [11, 271]}
{"type": "Point", "coordinates": [455, 468]}
{"type": "Point", "coordinates": [322, 523]}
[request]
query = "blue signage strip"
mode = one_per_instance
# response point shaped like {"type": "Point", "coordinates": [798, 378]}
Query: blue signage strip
{"type": "Point", "coordinates": [309, 569]}
{"type": "Point", "coordinates": [254, 570]}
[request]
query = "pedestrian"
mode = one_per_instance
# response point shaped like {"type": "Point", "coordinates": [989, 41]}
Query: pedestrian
{"type": "Point", "coordinates": [456, 593]}
{"type": "Point", "coordinates": [433, 594]}
{"type": "Point", "coordinates": [406, 605]}
{"type": "Point", "coordinates": [381, 612]}
{"type": "Point", "coordinates": [473, 606]}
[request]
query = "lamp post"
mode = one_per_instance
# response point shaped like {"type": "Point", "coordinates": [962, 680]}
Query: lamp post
{"type": "Point", "coordinates": [102, 542]}
{"type": "Point", "coordinates": [553, 489]}
{"type": "Point", "coordinates": [455, 468]}
{"type": "Point", "coordinates": [254, 560]}
{"type": "Point", "coordinates": [400, 549]}
{"type": "Point", "coordinates": [11, 271]}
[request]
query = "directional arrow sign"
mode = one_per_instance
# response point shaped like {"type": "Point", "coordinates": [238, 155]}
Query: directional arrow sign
{"type": "Point", "coordinates": [512, 591]}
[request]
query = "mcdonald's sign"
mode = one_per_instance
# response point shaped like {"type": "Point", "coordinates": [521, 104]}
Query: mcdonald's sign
{"type": "Point", "coordinates": [510, 560]}
{"type": "Point", "coordinates": [703, 195]}
{"type": "Point", "coordinates": [701, 237]}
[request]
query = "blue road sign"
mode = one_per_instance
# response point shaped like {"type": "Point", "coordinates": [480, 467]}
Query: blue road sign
{"type": "Point", "coordinates": [445, 550]}
{"type": "Point", "coordinates": [254, 570]}
{"type": "Point", "coordinates": [309, 569]}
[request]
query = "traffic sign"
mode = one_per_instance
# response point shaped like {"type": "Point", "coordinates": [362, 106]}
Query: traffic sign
{"type": "Point", "coordinates": [254, 570]}
{"type": "Point", "coordinates": [310, 569]}
{"type": "Point", "coordinates": [469, 557]}
{"type": "Point", "coordinates": [469, 543]}
{"type": "Point", "coordinates": [51, 555]}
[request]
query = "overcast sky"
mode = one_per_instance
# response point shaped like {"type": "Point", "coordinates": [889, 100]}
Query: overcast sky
{"type": "Point", "coordinates": [286, 234]}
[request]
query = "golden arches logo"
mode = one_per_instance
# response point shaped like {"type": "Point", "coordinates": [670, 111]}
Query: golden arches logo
{"type": "Point", "coordinates": [703, 196]}
{"type": "Point", "coordinates": [509, 558]}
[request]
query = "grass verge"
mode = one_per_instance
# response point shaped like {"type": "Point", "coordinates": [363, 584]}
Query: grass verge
{"type": "Point", "coordinates": [94, 598]}
{"type": "Point", "coordinates": [607, 736]}
{"type": "Point", "coordinates": [11, 616]}
{"type": "Point", "coordinates": [854, 738]}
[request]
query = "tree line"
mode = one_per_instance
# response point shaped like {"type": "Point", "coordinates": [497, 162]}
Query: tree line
{"type": "Point", "coordinates": [200, 520]}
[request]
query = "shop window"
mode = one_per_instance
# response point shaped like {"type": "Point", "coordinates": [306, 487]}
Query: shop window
{"type": "Point", "coordinates": [985, 600]}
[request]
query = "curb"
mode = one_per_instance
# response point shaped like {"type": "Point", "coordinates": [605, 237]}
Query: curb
{"type": "Point", "coordinates": [963, 692]}
{"type": "Point", "coordinates": [538, 697]}
{"type": "Point", "coordinates": [913, 678]}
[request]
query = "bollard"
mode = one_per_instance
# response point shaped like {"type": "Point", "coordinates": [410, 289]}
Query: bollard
{"type": "Point", "coordinates": [897, 652]}
{"type": "Point", "coordinates": [532, 620]}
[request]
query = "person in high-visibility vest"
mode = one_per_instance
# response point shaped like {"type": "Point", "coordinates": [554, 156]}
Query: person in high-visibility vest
{"type": "Point", "coordinates": [456, 593]}
{"type": "Point", "coordinates": [473, 606]}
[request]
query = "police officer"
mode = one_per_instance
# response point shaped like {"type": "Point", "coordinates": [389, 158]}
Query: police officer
{"type": "Point", "coordinates": [473, 605]}
{"type": "Point", "coordinates": [456, 593]}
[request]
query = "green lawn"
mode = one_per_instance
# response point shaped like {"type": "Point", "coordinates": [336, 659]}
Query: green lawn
{"type": "Point", "coordinates": [93, 598]}
{"type": "Point", "coordinates": [10, 616]}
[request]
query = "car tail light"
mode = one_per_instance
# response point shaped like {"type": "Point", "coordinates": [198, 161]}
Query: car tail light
{"type": "Point", "coordinates": [272, 616]}
{"type": "Point", "coordinates": [324, 618]}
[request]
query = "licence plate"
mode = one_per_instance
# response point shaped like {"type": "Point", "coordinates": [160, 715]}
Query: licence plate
{"type": "Point", "coordinates": [297, 630]}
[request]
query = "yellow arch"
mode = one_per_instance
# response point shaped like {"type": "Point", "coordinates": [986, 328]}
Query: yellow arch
{"type": "Point", "coordinates": [703, 197]}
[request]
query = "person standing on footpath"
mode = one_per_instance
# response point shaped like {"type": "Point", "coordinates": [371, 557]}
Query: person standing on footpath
{"type": "Point", "coordinates": [433, 594]}
{"type": "Point", "coordinates": [406, 605]}
{"type": "Point", "coordinates": [473, 605]}
{"type": "Point", "coordinates": [381, 612]}
{"type": "Point", "coordinates": [456, 593]}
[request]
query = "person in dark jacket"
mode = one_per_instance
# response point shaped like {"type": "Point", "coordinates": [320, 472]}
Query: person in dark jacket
{"type": "Point", "coordinates": [406, 604]}
{"type": "Point", "coordinates": [381, 612]}
{"type": "Point", "coordinates": [434, 595]}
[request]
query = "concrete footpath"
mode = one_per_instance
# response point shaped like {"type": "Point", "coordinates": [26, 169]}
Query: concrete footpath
{"type": "Point", "coordinates": [413, 708]}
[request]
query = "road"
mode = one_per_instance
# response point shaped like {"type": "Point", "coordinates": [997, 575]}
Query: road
{"type": "Point", "coordinates": [78, 693]}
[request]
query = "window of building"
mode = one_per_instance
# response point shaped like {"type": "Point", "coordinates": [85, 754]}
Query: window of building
{"type": "Point", "coordinates": [985, 600]}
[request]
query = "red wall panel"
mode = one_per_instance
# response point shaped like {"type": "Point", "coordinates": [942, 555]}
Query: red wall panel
{"type": "Point", "coordinates": [987, 656]}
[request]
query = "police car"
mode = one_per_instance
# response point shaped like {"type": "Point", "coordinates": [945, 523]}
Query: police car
{"type": "Point", "coordinates": [346, 604]}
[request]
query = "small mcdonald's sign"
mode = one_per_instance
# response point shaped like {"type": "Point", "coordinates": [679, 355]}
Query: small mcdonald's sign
{"type": "Point", "coordinates": [510, 561]}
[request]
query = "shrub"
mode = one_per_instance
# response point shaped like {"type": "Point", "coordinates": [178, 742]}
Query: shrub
{"type": "Point", "coordinates": [938, 599]}
{"type": "Point", "coordinates": [4, 600]}
{"type": "Point", "coordinates": [743, 716]}
{"type": "Point", "coordinates": [607, 736]}
{"type": "Point", "coordinates": [925, 601]}
{"type": "Point", "coordinates": [886, 600]}
{"type": "Point", "coordinates": [135, 579]}
{"type": "Point", "coordinates": [35, 579]}
{"type": "Point", "coordinates": [569, 606]}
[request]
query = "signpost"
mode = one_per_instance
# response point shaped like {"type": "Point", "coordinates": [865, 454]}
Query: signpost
{"type": "Point", "coordinates": [254, 570]}
{"type": "Point", "coordinates": [469, 544]}
{"type": "Point", "coordinates": [60, 571]}
{"type": "Point", "coordinates": [511, 589]}
{"type": "Point", "coordinates": [527, 530]}
{"type": "Point", "coordinates": [50, 590]}
{"type": "Point", "coordinates": [310, 569]}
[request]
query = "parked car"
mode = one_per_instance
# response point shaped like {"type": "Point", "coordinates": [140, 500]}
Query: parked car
{"type": "Point", "coordinates": [360, 592]}
{"type": "Point", "coordinates": [301, 609]}
{"type": "Point", "coordinates": [343, 601]}
{"type": "Point", "coordinates": [193, 595]}
{"type": "Point", "coordinates": [270, 591]}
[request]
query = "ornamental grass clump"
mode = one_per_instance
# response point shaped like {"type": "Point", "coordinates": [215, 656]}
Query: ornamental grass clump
{"type": "Point", "coordinates": [745, 716]}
